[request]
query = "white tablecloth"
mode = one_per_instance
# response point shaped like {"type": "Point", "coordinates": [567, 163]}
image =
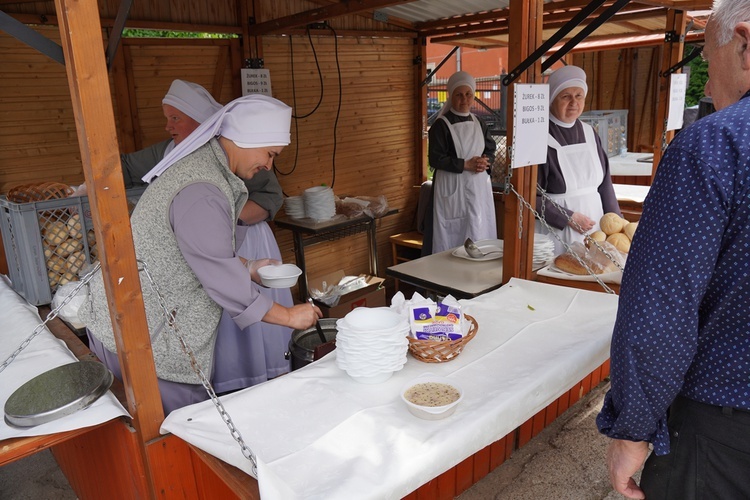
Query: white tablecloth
{"type": "Point", "coordinates": [319, 434]}
{"type": "Point", "coordinates": [17, 321]}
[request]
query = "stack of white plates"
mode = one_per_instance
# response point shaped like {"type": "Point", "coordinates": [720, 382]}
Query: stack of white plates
{"type": "Point", "coordinates": [320, 203]}
{"type": "Point", "coordinates": [544, 249]}
{"type": "Point", "coordinates": [371, 343]}
{"type": "Point", "coordinates": [295, 207]}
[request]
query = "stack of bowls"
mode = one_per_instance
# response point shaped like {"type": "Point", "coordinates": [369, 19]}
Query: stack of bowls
{"type": "Point", "coordinates": [544, 249]}
{"type": "Point", "coordinates": [320, 203]}
{"type": "Point", "coordinates": [295, 207]}
{"type": "Point", "coordinates": [371, 343]}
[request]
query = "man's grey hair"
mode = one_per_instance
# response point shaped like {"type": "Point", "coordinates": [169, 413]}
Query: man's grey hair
{"type": "Point", "coordinates": [727, 14]}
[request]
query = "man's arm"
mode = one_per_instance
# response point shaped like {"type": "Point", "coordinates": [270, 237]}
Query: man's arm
{"type": "Point", "coordinates": [137, 164]}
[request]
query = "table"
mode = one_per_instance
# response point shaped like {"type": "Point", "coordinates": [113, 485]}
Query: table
{"type": "Point", "coordinates": [630, 199]}
{"type": "Point", "coordinates": [446, 274]}
{"type": "Point", "coordinates": [631, 164]}
{"type": "Point", "coordinates": [308, 232]}
{"type": "Point", "coordinates": [319, 434]}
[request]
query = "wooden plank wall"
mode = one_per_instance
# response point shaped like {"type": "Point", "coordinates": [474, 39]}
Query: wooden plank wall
{"type": "Point", "coordinates": [365, 147]}
{"type": "Point", "coordinates": [38, 139]}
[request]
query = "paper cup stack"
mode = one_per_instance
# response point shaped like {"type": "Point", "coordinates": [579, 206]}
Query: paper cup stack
{"type": "Point", "coordinates": [320, 203]}
{"type": "Point", "coordinates": [371, 343]}
{"type": "Point", "coordinates": [295, 207]}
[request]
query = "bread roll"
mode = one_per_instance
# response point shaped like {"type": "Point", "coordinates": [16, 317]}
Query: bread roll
{"type": "Point", "coordinates": [75, 262]}
{"type": "Point", "coordinates": [611, 223]}
{"type": "Point", "coordinates": [91, 237]}
{"type": "Point", "coordinates": [56, 264]}
{"type": "Point", "coordinates": [74, 226]}
{"type": "Point", "coordinates": [598, 236]}
{"type": "Point", "coordinates": [55, 232]}
{"type": "Point", "coordinates": [620, 241]}
{"type": "Point", "coordinates": [53, 278]}
{"type": "Point", "coordinates": [69, 246]}
{"type": "Point", "coordinates": [629, 229]}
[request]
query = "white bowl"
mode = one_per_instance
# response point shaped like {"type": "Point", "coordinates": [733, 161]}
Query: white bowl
{"type": "Point", "coordinates": [283, 276]}
{"type": "Point", "coordinates": [432, 412]}
{"type": "Point", "coordinates": [373, 319]}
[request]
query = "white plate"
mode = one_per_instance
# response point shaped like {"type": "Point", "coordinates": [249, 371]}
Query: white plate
{"type": "Point", "coordinates": [485, 246]}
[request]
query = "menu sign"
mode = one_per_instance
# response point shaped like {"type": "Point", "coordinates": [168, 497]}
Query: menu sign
{"type": "Point", "coordinates": [677, 90]}
{"type": "Point", "coordinates": [530, 124]}
{"type": "Point", "coordinates": [256, 81]}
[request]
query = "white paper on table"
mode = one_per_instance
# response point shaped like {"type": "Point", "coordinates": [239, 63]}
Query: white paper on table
{"type": "Point", "coordinates": [45, 352]}
{"type": "Point", "coordinates": [319, 434]}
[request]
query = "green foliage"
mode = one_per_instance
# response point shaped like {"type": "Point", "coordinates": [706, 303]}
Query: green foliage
{"type": "Point", "coordinates": [143, 33]}
{"type": "Point", "coordinates": [698, 79]}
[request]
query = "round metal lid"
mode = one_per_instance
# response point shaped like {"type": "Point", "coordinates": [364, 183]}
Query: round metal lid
{"type": "Point", "coordinates": [56, 393]}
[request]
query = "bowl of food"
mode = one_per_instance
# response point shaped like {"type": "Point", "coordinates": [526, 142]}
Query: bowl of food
{"type": "Point", "coordinates": [432, 397]}
{"type": "Point", "coordinates": [282, 276]}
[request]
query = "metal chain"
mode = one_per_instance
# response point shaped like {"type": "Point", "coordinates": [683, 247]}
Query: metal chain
{"type": "Point", "coordinates": [566, 245]}
{"type": "Point", "coordinates": [170, 318]}
{"type": "Point", "coordinates": [52, 315]}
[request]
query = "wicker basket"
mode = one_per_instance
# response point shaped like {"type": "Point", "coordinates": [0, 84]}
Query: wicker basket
{"type": "Point", "coordinates": [439, 351]}
{"type": "Point", "coordinates": [39, 192]}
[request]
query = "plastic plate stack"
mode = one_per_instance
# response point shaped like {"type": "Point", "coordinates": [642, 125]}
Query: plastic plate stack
{"type": "Point", "coordinates": [320, 203]}
{"type": "Point", "coordinates": [544, 250]}
{"type": "Point", "coordinates": [371, 343]}
{"type": "Point", "coordinates": [295, 207]}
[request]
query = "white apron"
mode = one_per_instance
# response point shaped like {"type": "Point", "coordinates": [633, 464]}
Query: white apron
{"type": "Point", "coordinates": [463, 205]}
{"type": "Point", "coordinates": [583, 173]}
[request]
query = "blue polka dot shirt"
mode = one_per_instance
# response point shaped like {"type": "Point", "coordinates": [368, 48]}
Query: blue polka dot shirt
{"type": "Point", "coordinates": [683, 323]}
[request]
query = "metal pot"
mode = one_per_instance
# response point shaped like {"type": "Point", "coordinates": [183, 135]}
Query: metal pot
{"type": "Point", "coordinates": [303, 342]}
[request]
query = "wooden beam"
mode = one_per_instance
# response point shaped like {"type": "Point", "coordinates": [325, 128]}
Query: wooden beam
{"type": "Point", "coordinates": [369, 15]}
{"type": "Point", "coordinates": [671, 54]}
{"type": "Point", "coordinates": [319, 15]}
{"type": "Point", "coordinates": [80, 31]}
{"type": "Point", "coordinates": [518, 224]}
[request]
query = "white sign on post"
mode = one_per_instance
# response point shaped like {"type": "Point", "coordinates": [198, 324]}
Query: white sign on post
{"type": "Point", "coordinates": [256, 81]}
{"type": "Point", "coordinates": [530, 124]}
{"type": "Point", "coordinates": [677, 90]}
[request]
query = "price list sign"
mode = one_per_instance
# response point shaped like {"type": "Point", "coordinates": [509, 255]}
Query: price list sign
{"type": "Point", "coordinates": [530, 124]}
{"type": "Point", "coordinates": [677, 90]}
{"type": "Point", "coordinates": [256, 81]}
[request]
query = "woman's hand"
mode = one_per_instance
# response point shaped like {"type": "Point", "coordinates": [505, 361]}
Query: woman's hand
{"type": "Point", "coordinates": [581, 223]}
{"type": "Point", "coordinates": [299, 317]}
{"type": "Point", "coordinates": [476, 164]}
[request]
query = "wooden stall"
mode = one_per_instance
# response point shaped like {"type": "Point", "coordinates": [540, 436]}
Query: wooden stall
{"type": "Point", "coordinates": [361, 72]}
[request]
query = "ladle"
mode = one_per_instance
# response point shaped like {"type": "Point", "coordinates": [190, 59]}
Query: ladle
{"type": "Point", "coordinates": [317, 325]}
{"type": "Point", "coordinates": [474, 251]}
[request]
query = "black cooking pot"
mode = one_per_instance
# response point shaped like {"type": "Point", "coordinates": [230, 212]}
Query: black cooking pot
{"type": "Point", "coordinates": [303, 342]}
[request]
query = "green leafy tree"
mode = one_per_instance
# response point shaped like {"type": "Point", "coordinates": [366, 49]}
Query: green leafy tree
{"type": "Point", "coordinates": [698, 79]}
{"type": "Point", "coordinates": [144, 33]}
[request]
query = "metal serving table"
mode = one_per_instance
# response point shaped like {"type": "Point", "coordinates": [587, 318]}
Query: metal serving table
{"type": "Point", "coordinates": [445, 274]}
{"type": "Point", "coordinates": [308, 232]}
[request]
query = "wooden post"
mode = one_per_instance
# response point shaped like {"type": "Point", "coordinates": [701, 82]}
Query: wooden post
{"type": "Point", "coordinates": [80, 30]}
{"type": "Point", "coordinates": [671, 54]}
{"type": "Point", "coordinates": [525, 32]}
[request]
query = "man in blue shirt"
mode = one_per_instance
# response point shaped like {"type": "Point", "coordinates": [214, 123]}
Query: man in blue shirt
{"type": "Point", "coordinates": [681, 345]}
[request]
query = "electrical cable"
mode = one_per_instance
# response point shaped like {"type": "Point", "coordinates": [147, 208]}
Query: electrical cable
{"type": "Point", "coordinates": [338, 109]}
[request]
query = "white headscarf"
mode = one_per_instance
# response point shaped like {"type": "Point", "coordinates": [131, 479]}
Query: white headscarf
{"type": "Point", "coordinates": [457, 79]}
{"type": "Point", "coordinates": [251, 121]}
{"type": "Point", "coordinates": [191, 99]}
{"type": "Point", "coordinates": [566, 77]}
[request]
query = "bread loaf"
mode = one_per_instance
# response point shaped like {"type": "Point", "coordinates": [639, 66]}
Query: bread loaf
{"type": "Point", "coordinates": [568, 263]}
{"type": "Point", "coordinates": [74, 226]}
{"type": "Point", "coordinates": [55, 232]}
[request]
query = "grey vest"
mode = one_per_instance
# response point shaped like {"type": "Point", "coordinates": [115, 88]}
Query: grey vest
{"type": "Point", "coordinates": [196, 314]}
